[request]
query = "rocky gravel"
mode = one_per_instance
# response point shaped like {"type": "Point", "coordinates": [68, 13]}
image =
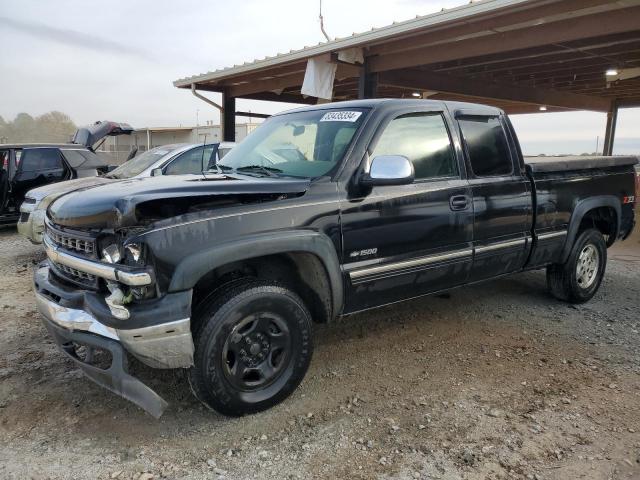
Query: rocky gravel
{"type": "Point", "coordinates": [494, 381]}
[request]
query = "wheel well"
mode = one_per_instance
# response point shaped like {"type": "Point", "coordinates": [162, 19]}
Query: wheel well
{"type": "Point", "coordinates": [302, 272]}
{"type": "Point", "coordinates": [603, 219]}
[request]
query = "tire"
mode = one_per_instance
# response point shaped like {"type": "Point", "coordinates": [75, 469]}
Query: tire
{"type": "Point", "coordinates": [578, 279]}
{"type": "Point", "coordinates": [253, 346]}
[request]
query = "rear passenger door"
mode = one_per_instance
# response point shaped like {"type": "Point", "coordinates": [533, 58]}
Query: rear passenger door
{"type": "Point", "coordinates": [502, 201]}
{"type": "Point", "coordinates": [37, 167]}
{"type": "Point", "coordinates": [406, 240]}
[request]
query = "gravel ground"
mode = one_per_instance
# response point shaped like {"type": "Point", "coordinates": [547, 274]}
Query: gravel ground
{"type": "Point", "coordinates": [495, 381]}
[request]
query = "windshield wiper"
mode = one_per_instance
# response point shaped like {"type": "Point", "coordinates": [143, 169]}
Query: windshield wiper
{"type": "Point", "coordinates": [269, 171]}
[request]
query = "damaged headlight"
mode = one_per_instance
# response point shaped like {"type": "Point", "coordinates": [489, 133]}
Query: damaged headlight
{"type": "Point", "coordinates": [134, 250]}
{"type": "Point", "coordinates": [111, 254]}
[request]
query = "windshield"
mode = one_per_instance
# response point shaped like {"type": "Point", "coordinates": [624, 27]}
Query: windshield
{"type": "Point", "coordinates": [139, 164]}
{"type": "Point", "coordinates": [303, 144]}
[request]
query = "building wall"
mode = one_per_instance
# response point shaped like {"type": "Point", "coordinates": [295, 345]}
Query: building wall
{"type": "Point", "coordinates": [116, 149]}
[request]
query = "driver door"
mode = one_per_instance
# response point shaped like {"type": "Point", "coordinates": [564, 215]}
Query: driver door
{"type": "Point", "coordinates": [407, 240]}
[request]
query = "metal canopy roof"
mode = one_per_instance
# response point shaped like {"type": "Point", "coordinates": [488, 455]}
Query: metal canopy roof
{"type": "Point", "coordinates": [514, 54]}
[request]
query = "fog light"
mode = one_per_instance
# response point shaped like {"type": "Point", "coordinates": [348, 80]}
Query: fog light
{"type": "Point", "coordinates": [111, 254]}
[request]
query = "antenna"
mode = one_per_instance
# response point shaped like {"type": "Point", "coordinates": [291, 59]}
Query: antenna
{"type": "Point", "coordinates": [204, 142]}
{"type": "Point", "coordinates": [324, 32]}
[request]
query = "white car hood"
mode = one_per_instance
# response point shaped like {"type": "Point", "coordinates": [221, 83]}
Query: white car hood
{"type": "Point", "coordinates": [56, 189]}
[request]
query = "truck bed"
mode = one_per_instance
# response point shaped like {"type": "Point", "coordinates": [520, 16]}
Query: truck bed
{"type": "Point", "coordinates": [568, 163]}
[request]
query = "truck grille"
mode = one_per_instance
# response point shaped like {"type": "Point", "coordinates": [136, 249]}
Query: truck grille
{"type": "Point", "coordinates": [81, 244]}
{"type": "Point", "coordinates": [72, 241]}
{"type": "Point", "coordinates": [75, 276]}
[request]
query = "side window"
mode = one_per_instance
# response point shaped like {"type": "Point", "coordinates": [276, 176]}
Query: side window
{"type": "Point", "coordinates": [36, 159]}
{"type": "Point", "coordinates": [486, 146]}
{"type": "Point", "coordinates": [4, 160]}
{"type": "Point", "coordinates": [424, 140]}
{"type": "Point", "coordinates": [194, 161]}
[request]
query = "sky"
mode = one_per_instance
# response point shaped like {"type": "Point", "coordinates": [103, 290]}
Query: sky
{"type": "Point", "coordinates": [117, 60]}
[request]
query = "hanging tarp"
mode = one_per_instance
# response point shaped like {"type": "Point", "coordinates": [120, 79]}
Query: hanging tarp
{"type": "Point", "coordinates": [319, 77]}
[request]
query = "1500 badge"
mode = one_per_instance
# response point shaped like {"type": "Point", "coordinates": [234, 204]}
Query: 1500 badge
{"type": "Point", "coordinates": [364, 253]}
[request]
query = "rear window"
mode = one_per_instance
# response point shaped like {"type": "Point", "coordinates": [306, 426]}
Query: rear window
{"type": "Point", "coordinates": [77, 157]}
{"type": "Point", "coordinates": [37, 159]}
{"type": "Point", "coordinates": [486, 146]}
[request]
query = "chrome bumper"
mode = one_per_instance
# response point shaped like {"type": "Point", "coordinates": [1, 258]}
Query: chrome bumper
{"type": "Point", "coordinates": [99, 269]}
{"type": "Point", "coordinates": [167, 345]}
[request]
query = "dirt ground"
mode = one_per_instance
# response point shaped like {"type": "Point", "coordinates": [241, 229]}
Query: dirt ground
{"type": "Point", "coordinates": [495, 381]}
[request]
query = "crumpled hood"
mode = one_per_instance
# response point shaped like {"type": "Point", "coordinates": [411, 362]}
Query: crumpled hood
{"type": "Point", "coordinates": [113, 205]}
{"type": "Point", "coordinates": [60, 188]}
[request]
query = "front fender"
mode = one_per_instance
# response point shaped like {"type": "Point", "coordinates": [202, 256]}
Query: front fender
{"type": "Point", "coordinates": [194, 266]}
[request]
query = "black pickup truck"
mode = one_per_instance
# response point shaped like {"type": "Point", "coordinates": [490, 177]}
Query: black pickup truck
{"type": "Point", "coordinates": [321, 212]}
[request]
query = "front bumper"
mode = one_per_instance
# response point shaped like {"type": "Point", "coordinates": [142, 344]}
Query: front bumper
{"type": "Point", "coordinates": [161, 337]}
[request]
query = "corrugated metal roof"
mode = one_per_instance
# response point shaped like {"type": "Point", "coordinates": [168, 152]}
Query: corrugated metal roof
{"type": "Point", "coordinates": [356, 39]}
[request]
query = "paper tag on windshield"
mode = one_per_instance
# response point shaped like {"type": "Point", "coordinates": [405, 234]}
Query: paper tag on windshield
{"type": "Point", "coordinates": [342, 116]}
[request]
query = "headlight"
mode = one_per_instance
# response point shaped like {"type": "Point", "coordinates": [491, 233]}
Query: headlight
{"type": "Point", "coordinates": [134, 250]}
{"type": "Point", "coordinates": [111, 254]}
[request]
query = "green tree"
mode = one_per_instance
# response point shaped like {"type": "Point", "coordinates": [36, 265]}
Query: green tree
{"type": "Point", "coordinates": [51, 127]}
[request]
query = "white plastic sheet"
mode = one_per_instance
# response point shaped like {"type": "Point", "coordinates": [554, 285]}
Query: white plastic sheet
{"type": "Point", "coordinates": [319, 77]}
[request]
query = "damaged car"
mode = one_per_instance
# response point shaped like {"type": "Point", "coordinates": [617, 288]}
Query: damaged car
{"type": "Point", "coordinates": [27, 166]}
{"type": "Point", "coordinates": [321, 212]}
{"type": "Point", "coordinates": [174, 159]}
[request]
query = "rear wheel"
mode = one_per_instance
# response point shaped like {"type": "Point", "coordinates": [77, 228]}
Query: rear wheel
{"type": "Point", "coordinates": [578, 279]}
{"type": "Point", "coordinates": [252, 347]}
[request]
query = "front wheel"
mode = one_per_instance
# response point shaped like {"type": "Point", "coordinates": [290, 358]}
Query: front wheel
{"type": "Point", "coordinates": [578, 279]}
{"type": "Point", "coordinates": [252, 347]}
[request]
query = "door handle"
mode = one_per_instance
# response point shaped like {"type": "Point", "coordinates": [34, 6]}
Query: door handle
{"type": "Point", "coordinates": [459, 202]}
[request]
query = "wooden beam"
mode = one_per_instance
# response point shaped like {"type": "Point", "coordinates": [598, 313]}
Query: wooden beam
{"type": "Point", "coordinates": [630, 102]}
{"type": "Point", "coordinates": [617, 21]}
{"type": "Point", "coordinates": [264, 74]}
{"type": "Point", "coordinates": [420, 80]}
{"type": "Point", "coordinates": [283, 97]}
{"type": "Point", "coordinates": [290, 80]}
{"type": "Point", "coordinates": [610, 132]}
{"type": "Point", "coordinates": [538, 56]}
{"type": "Point", "coordinates": [228, 118]}
{"type": "Point", "coordinates": [253, 114]}
{"type": "Point", "coordinates": [495, 21]}
{"type": "Point", "coordinates": [273, 84]}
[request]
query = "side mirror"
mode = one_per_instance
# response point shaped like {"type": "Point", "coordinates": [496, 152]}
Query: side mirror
{"type": "Point", "coordinates": [156, 172]}
{"type": "Point", "coordinates": [389, 170]}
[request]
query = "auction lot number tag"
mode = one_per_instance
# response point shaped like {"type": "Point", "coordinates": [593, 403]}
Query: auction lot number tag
{"type": "Point", "coordinates": [342, 116]}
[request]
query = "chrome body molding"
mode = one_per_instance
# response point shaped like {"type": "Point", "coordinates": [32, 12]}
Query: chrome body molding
{"type": "Point", "coordinates": [168, 345]}
{"type": "Point", "coordinates": [418, 262]}
{"type": "Point", "coordinates": [545, 236]}
{"type": "Point", "coordinates": [392, 268]}
{"type": "Point", "coordinates": [99, 269]}
{"type": "Point", "coordinates": [499, 245]}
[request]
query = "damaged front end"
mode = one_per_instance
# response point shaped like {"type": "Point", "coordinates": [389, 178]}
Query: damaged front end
{"type": "Point", "coordinates": [103, 298]}
{"type": "Point", "coordinates": [106, 283]}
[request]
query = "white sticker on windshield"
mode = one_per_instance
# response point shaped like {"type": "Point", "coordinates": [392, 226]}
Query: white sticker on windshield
{"type": "Point", "coordinates": [340, 116]}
